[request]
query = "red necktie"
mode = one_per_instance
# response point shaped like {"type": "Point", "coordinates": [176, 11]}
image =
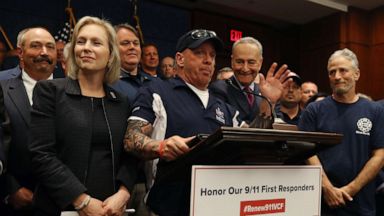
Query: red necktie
{"type": "Point", "coordinates": [250, 96]}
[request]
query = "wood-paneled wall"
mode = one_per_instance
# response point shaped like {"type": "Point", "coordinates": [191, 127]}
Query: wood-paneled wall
{"type": "Point", "coordinates": [360, 31]}
{"type": "Point", "coordinates": [306, 48]}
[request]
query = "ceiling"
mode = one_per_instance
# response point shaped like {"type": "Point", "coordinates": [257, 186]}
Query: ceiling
{"type": "Point", "coordinates": [278, 13]}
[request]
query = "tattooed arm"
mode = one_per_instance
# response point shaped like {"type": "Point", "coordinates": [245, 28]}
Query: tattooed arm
{"type": "Point", "coordinates": [138, 141]}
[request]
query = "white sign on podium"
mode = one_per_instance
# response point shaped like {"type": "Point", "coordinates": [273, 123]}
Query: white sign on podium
{"type": "Point", "coordinates": [256, 190]}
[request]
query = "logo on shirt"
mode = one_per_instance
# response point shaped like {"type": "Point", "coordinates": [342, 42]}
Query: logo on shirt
{"type": "Point", "coordinates": [364, 126]}
{"type": "Point", "coordinates": [135, 109]}
{"type": "Point", "coordinates": [220, 115]}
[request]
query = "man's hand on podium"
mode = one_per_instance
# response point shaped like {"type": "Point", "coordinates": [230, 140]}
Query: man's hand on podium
{"type": "Point", "coordinates": [173, 147]}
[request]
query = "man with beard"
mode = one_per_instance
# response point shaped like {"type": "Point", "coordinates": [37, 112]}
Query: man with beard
{"type": "Point", "coordinates": [350, 166]}
{"type": "Point", "coordinates": [37, 52]}
{"type": "Point", "coordinates": [290, 100]}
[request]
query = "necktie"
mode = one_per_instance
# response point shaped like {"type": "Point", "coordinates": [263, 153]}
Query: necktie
{"type": "Point", "coordinates": [250, 96]}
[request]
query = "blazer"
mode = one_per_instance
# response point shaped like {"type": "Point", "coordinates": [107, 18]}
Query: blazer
{"type": "Point", "coordinates": [10, 73]}
{"type": "Point", "coordinates": [236, 98]}
{"type": "Point", "coordinates": [16, 71]}
{"type": "Point", "coordinates": [61, 131]}
{"type": "Point", "coordinates": [19, 170]}
{"type": "Point", "coordinates": [4, 135]}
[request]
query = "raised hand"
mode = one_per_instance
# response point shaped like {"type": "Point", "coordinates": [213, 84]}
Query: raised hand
{"type": "Point", "coordinates": [273, 84]}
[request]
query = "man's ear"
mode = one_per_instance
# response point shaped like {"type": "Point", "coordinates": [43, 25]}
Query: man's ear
{"type": "Point", "coordinates": [356, 74]}
{"type": "Point", "coordinates": [179, 58]}
{"type": "Point", "coordinates": [19, 52]}
{"type": "Point", "coordinates": [260, 64]}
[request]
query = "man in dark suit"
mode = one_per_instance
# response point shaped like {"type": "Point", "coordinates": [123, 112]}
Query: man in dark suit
{"type": "Point", "coordinates": [4, 136]}
{"type": "Point", "coordinates": [38, 57]}
{"type": "Point", "coordinates": [246, 61]}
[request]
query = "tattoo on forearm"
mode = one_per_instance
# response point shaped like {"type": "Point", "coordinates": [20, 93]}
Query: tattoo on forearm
{"type": "Point", "coordinates": [137, 139]}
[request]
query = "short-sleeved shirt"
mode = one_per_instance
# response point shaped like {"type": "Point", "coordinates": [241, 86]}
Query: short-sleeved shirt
{"type": "Point", "coordinates": [173, 108]}
{"type": "Point", "coordinates": [295, 120]}
{"type": "Point", "coordinates": [361, 124]}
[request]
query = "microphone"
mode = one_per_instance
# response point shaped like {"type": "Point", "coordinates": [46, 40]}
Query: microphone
{"type": "Point", "coordinates": [260, 121]}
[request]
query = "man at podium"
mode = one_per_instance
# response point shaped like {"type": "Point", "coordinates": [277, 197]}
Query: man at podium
{"type": "Point", "coordinates": [167, 114]}
{"type": "Point", "coordinates": [350, 166]}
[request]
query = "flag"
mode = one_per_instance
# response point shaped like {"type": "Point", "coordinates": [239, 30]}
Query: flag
{"type": "Point", "coordinates": [65, 33]}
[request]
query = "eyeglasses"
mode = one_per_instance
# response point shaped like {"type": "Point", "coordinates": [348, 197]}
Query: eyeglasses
{"type": "Point", "coordinates": [202, 33]}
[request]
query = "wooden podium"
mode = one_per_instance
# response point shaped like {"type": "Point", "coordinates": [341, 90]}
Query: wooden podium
{"type": "Point", "coordinates": [249, 146]}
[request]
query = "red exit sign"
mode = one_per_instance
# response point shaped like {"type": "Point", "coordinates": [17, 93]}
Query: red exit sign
{"type": "Point", "coordinates": [235, 35]}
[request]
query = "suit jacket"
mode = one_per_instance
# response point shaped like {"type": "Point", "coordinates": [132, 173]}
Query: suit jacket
{"type": "Point", "coordinates": [19, 171]}
{"type": "Point", "coordinates": [237, 98]}
{"type": "Point", "coordinates": [10, 73]}
{"type": "Point", "coordinates": [3, 120]}
{"type": "Point", "coordinates": [61, 134]}
{"type": "Point", "coordinates": [16, 71]}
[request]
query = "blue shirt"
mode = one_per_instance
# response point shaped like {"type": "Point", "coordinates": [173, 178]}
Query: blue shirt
{"type": "Point", "coordinates": [129, 85]}
{"type": "Point", "coordinates": [173, 104]}
{"type": "Point", "coordinates": [361, 124]}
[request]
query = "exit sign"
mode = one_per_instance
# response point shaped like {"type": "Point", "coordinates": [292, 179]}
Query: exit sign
{"type": "Point", "coordinates": [235, 35]}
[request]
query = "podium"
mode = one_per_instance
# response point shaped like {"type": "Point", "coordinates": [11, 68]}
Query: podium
{"type": "Point", "coordinates": [249, 146]}
{"type": "Point", "coordinates": [175, 185]}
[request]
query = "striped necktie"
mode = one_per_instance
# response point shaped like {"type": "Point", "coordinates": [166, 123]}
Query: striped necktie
{"type": "Point", "coordinates": [250, 96]}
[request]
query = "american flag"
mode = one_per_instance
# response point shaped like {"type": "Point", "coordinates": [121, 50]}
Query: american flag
{"type": "Point", "coordinates": [64, 34]}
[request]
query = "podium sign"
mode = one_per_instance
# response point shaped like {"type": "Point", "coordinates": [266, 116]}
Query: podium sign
{"type": "Point", "coordinates": [255, 190]}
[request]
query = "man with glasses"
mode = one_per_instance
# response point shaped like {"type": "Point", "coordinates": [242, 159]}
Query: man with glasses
{"type": "Point", "coordinates": [131, 78]}
{"type": "Point", "coordinates": [239, 90]}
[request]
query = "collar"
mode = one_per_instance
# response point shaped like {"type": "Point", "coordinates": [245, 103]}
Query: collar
{"type": "Point", "coordinates": [177, 82]}
{"type": "Point", "coordinates": [252, 86]}
{"type": "Point", "coordinates": [25, 76]}
{"type": "Point", "coordinates": [73, 88]}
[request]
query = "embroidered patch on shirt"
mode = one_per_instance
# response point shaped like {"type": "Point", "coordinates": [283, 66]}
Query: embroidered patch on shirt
{"type": "Point", "coordinates": [364, 126]}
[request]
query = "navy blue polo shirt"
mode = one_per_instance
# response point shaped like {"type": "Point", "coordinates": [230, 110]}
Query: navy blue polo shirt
{"type": "Point", "coordinates": [129, 85]}
{"type": "Point", "coordinates": [174, 109]}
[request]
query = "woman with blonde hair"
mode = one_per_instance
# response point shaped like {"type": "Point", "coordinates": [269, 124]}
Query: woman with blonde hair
{"type": "Point", "coordinates": [77, 129]}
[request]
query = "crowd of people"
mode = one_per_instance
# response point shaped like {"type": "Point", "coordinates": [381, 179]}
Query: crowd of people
{"type": "Point", "coordinates": [89, 127]}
